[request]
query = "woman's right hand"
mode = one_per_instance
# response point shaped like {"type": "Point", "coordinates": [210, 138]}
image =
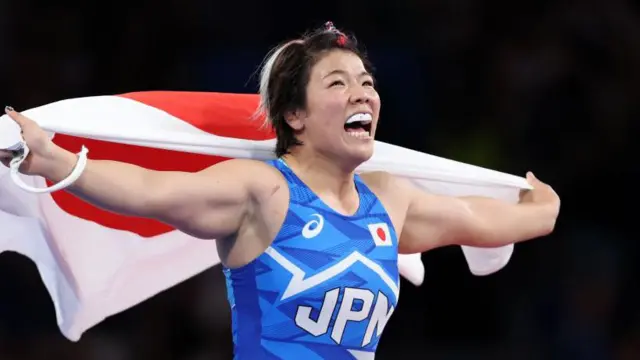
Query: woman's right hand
{"type": "Point", "coordinates": [45, 158]}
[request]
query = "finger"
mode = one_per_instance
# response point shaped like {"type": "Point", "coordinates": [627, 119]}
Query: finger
{"type": "Point", "coordinates": [16, 116]}
{"type": "Point", "coordinates": [532, 179]}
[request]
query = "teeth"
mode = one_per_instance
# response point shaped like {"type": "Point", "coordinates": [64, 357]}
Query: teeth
{"type": "Point", "coordinates": [362, 117]}
{"type": "Point", "coordinates": [359, 134]}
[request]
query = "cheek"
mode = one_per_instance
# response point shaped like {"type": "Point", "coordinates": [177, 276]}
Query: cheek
{"type": "Point", "coordinates": [331, 115]}
{"type": "Point", "coordinates": [331, 124]}
{"type": "Point", "coordinates": [375, 100]}
{"type": "Point", "coordinates": [334, 105]}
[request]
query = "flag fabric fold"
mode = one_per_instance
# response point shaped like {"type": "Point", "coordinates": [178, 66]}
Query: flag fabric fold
{"type": "Point", "coordinates": [95, 264]}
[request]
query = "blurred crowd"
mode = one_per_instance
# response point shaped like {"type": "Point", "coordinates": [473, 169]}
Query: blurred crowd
{"type": "Point", "coordinates": [548, 86]}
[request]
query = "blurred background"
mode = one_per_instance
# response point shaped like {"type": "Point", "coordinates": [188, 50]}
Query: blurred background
{"type": "Point", "coordinates": [548, 86]}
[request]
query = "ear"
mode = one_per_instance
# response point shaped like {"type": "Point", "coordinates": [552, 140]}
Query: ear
{"type": "Point", "coordinates": [295, 119]}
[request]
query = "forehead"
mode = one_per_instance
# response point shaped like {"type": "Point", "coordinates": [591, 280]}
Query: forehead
{"type": "Point", "coordinates": [338, 60]}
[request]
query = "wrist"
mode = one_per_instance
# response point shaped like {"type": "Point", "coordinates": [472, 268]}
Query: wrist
{"type": "Point", "coordinates": [547, 215]}
{"type": "Point", "coordinates": [58, 164]}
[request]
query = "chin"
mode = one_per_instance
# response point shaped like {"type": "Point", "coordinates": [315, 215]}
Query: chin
{"type": "Point", "coordinates": [358, 154]}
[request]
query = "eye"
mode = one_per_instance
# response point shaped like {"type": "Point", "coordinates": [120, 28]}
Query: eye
{"type": "Point", "coordinates": [336, 83]}
{"type": "Point", "coordinates": [368, 83]}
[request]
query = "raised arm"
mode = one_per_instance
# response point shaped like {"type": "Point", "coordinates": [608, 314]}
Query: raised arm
{"type": "Point", "coordinates": [434, 221]}
{"type": "Point", "coordinates": [208, 204]}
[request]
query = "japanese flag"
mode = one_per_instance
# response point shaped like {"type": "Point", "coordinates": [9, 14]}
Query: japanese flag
{"type": "Point", "coordinates": [380, 234]}
{"type": "Point", "coordinates": [95, 264]}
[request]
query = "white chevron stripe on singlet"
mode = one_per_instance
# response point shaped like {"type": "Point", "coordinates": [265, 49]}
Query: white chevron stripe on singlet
{"type": "Point", "coordinates": [362, 355]}
{"type": "Point", "coordinates": [299, 284]}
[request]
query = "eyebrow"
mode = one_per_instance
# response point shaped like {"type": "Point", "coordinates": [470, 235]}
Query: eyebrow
{"type": "Point", "coordinates": [334, 72]}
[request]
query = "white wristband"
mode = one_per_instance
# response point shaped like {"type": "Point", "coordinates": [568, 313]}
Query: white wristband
{"type": "Point", "coordinates": [15, 163]}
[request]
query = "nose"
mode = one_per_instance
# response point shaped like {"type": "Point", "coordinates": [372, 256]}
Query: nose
{"type": "Point", "coordinates": [359, 95]}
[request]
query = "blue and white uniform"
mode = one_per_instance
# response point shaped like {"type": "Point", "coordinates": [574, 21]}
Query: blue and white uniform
{"type": "Point", "coordinates": [326, 286]}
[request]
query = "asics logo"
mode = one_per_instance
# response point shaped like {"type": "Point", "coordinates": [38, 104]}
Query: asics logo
{"type": "Point", "coordinates": [313, 227]}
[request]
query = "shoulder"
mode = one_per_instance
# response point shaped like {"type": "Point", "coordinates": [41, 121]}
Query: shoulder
{"type": "Point", "coordinates": [242, 169]}
{"type": "Point", "coordinates": [401, 190]}
{"type": "Point", "coordinates": [240, 166]}
{"type": "Point", "coordinates": [257, 176]}
{"type": "Point", "coordinates": [384, 184]}
{"type": "Point", "coordinates": [378, 179]}
{"type": "Point", "coordinates": [392, 192]}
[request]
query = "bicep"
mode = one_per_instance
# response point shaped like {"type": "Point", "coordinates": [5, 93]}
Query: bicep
{"type": "Point", "coordinates": [434, 221]}
{"type": "Point", "coordinates": [208, 204]}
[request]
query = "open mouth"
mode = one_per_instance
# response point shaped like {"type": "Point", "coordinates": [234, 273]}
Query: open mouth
{"type": "Point", "coordinates": [359, 125]}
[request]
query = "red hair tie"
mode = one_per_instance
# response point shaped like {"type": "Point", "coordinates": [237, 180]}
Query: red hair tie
{"type": "Point", "coordinates": [342, 38]}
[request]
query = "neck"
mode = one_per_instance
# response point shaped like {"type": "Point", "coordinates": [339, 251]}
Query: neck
{"type": "Point", "coordinates": [322, 174]}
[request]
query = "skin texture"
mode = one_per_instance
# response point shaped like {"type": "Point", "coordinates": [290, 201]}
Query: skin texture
{"type": "Point", "coordinates": [243, 203]}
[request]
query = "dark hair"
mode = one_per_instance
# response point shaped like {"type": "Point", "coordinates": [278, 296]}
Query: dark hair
{"type": "Point", "coordinates": [286, 73]}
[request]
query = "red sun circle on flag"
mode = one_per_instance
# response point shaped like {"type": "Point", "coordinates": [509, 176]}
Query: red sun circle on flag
{"type": "Point", "coordinates": [381, 234]}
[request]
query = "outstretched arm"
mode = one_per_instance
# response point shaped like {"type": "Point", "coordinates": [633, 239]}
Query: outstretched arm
{"type": "Point", "coordinates": [435, 221]}
{"type": "Point", "coordinates": [206, 204]}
